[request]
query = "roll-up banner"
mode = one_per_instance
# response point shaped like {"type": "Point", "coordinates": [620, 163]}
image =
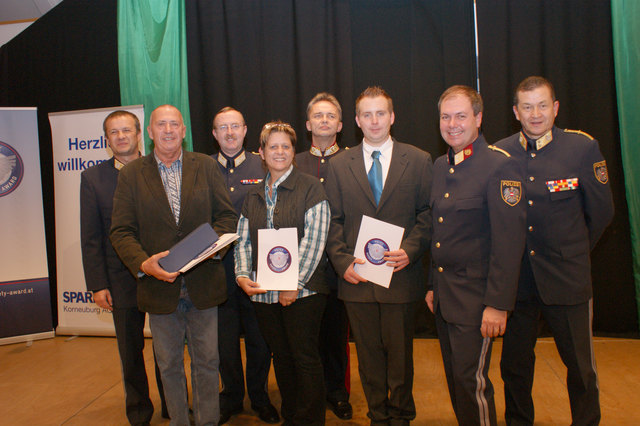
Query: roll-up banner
{"type": "Point", "coordinates": [25, 304]}
{"type": "Point", "coordinates": [78, 143]}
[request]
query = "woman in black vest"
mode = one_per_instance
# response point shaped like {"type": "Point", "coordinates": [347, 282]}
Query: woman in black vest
{"type": "Point", "coordinates": [289, 320]}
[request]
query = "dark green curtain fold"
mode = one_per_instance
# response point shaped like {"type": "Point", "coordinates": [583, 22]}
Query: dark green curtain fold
{"type": "Point", "coordinates": [625, 15]}
{"type": "Point", "coordinates": [152, 57]}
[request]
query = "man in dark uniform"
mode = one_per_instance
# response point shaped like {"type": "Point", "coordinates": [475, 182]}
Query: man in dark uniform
{"type": "Point", "coordinates": [113, 286]}
{"type": "Point", "coordinates": [324, 121]}
{"type": "Point", "coordinates": [477, 244]}
{"type": "Point", "coordinates": [241, 170]}
{"type": "Point", "coordinates": [569, 206]}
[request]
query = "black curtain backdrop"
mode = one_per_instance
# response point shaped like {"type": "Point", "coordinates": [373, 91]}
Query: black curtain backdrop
{"type": "Point", "coordinates": [570, 43]}
{"type": "Point", "coordinates": [268, 58]}
{"type": "Point", "coordinates": [66, 60]}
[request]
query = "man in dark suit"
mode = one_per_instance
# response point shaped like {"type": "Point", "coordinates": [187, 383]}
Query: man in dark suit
{"type": "Point", "coordinates": [324, 121]}
{"type": "Point", "coordinates": [382, 319]}
{"type": "Point", "coordinates": [159, 199]}
{"type": "Point", "coordinates": [113, 286]}
{"type": "Point", "coordinates": [241, 170]}
{"type": "Point", "coordinates": [478, 240]}
{"type": "Point", "coordinates": [569, 206]}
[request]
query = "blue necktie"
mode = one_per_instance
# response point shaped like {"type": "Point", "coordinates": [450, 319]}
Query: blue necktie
{"type": "Point", "coordinates": [375, 176]}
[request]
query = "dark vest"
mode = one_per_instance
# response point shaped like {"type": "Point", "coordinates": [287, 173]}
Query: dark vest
{"type": "Point", "coordinates": [297, 194]}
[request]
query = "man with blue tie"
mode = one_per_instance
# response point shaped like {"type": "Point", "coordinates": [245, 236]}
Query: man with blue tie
{"type": "Point", "coordinates": [389, 181]}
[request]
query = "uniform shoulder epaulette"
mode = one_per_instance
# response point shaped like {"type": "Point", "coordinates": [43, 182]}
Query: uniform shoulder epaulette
{"type": "Point", "coordinates": [347, 147]}
{"type": "Point", "coordinates": [254, 153]}
{"type": "Point", "coordinates": [579, 132]}
{"type": "Point", "coordinates": [495, 148]}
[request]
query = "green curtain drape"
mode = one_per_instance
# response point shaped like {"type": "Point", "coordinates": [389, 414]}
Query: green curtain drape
{"type": "Point", "coordinates": [152, 58]}
{"type": "Point", "coordinates": [625, 15]}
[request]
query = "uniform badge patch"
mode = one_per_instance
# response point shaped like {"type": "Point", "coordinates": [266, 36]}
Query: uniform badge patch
{"type": "Point", "coordinates": [601, 172]}
{"type": "Point", "coordinates": [511, 191]}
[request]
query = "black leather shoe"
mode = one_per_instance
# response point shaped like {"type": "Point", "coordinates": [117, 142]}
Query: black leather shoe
{"type": "Point", "coordinates": [342, 409]}
{"type": "Point", "coordinates": [267, 413]}
{"type": "Point", "coordinates": [225, 414]}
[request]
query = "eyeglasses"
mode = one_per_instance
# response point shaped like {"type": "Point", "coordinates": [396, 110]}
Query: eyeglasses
{"type": "Point", "coordinates": [277, 125]}
{"type": "Point", "coordinates": [233, 126]}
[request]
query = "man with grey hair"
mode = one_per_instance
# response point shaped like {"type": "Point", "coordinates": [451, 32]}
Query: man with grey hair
{"type": "Point", "coordinates": [160, 199]}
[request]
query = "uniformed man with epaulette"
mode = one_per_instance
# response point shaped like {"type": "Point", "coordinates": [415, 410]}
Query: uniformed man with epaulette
{"type": "Point", "coordinates": [241, 170]}
{"type": "Point", "coordinates": [324, 121]}
{"type": "Point", "coordinates": [569, 205]}
{"type": "Point", "coordinates": [478, 241]}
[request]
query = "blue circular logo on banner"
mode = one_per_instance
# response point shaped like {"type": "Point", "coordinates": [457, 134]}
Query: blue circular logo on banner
{"type": "Point", "coordinates": [374, 251]}
{"type": "Point", "coordinates": [11, 169]}
{"type": "Point", "coordinates": [279, 259]}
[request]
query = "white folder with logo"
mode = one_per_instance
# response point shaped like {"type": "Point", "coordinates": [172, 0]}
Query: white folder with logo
{"type": "Point", "coordinates": [278, 259]}
{"type": "Point", "coordinates": [374, 239]}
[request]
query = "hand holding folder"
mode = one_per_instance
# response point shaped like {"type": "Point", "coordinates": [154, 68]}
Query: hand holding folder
{"type": "Point", "coordinates": [200, 244]}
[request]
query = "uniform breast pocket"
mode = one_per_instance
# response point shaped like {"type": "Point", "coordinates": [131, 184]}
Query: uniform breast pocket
{"type": "Point", "coordinates": [469, 203]}
{"type": "Point", "coordinates": [562, 195]}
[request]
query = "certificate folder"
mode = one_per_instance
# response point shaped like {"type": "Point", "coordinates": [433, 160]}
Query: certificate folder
{"type": "Point", "coordinates": [198, 245]}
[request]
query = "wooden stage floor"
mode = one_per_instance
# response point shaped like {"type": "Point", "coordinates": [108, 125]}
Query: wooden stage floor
{"type": "Point", "coordinates": [76, 381]}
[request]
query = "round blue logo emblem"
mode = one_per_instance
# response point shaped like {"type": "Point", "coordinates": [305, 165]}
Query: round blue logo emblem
{"type": "Point", "coordinates": [279, 259]}
{"type": "Point", "coordinates": [11, 169]}
{"type": "Point", "coordinates": [374, 251]}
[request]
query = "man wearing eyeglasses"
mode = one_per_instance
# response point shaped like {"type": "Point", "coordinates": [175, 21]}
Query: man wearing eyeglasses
{"type": "Point", "coordinates": [241, 170]}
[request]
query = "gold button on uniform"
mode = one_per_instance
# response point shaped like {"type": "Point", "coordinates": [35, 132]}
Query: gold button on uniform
{"type": "Point", "coordinates": [532, 252]}
{"type": "Point", "coordinates": [230, 170]}
{"type": "Point", "coordinates": [530, 202]}
{"type": "Point", "coordinates": [232, 189]}
{"type": "Point", "coordinates": [440, 219]}
{"type": "Point", "coordinates": [437, 245]}
{"type": "Point", "coordinates": [321, 179]}
{"type": "Point", "coordinates": [533, 155]}
{"type": "Point", "coordinates": [531, 178]}
{"type": "Point", "coordinates": [322, 161]}
{"type": "Point", "coordinates": [440, 269]}
{"type": "Point", "coordinates": [451, 170]}
{"type": "Point", "coordinates": [446, 195]}
{"type": "Point", "coordinates": [530, 229]}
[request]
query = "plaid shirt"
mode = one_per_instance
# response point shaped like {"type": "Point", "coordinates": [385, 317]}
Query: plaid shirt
{"type": "Point", "coordinates": [310, 248]}
{"type": "Point", "coordinates": [172, 181]}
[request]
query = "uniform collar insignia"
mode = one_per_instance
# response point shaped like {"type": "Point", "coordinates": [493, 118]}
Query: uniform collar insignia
{"type": "Point", "coordinates": [541, 142]}
{"type": "Point", "coordinates": [235, 161]}
{"type": "Point", "coordinates": [315, 151]}
{"type": "Point", "coordinates": [458, 158]}
{"type": "Point", "coordinates": [117, 163]}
